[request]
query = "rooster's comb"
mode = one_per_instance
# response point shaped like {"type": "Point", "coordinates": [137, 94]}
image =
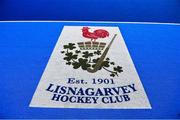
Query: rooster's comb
{"type": "Point", "coordinates": [85, 28]}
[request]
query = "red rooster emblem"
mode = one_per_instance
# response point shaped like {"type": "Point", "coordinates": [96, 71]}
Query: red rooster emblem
{"type": "Point", "coordinates": [100, 33]}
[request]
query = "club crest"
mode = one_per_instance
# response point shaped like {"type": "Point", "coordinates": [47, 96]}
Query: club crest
{"type": "Point", "coordinates": [90, 67]}
{"type": "Point", "coordinates": [89, 55]}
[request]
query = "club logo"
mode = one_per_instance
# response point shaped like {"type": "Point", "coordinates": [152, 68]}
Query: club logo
{"type": "Point", "coordinates": [90, 67]}
{"type": "Point", "coordinates": [88, 55]}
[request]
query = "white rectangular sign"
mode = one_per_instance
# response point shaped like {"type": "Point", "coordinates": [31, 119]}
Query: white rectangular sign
{"type": "Point", "coordinates": [90, 67]}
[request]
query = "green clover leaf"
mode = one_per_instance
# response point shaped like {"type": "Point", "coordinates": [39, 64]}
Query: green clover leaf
{"type": "Point", "coordinates": [70, 56]}
{"type": "Point", "coordinates": [70, 46]}
{"type": "Point", "coordinates": [83, 63]}
{"type": "Point", "coordinates": [118, 69]}
{"type": "Point", "coordinates": [98, 52]}
{"type": "Point", "coordinates": [87, 54]}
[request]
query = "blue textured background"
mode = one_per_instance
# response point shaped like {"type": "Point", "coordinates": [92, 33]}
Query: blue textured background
{"type": "Point", "coordinates": [93, 10]}
{"type": "Point", "coordinates": [26, 47]}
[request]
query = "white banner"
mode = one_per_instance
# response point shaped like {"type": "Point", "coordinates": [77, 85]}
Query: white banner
{"type": "Point", "coordinates": [90, 67]}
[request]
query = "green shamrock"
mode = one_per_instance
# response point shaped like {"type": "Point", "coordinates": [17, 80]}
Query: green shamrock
{"type": "Point", "coordinates": [118, 69]}
{"type": "Point", "coordinates": [70, 56]}
{"type": "Point", "coordinates": [98, 52]}
{"type": "Point", "coordinates": [70, 46]}
{"type": "Point", "coordinates": [83, 63]}
{"type": "Point", "coordinates": [87, 54]}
